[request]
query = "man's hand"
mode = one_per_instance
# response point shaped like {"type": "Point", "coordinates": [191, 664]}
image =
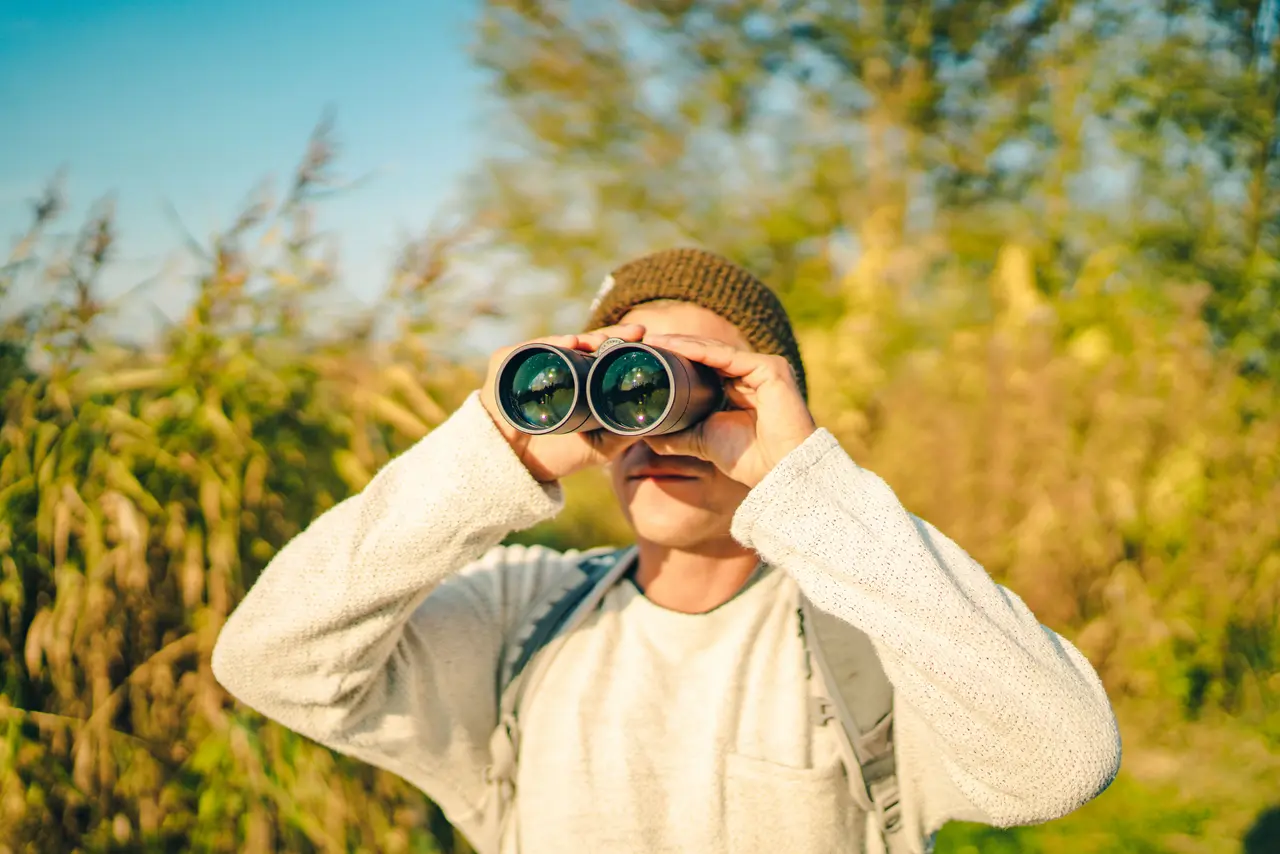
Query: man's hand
{"type": "Point", "coordinates": [770, 418]}
{"type": "Point", "coordinates": [550, 457]}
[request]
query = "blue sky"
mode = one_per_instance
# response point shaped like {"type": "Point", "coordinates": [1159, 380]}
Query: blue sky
{"type": "Point", "coordinates": [194, 102]}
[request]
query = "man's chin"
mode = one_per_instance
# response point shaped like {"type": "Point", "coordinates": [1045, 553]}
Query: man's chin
{"type": "Point", "coordinates": [678, 534]}
{"type": "Point", "coordinates": [667, 520]}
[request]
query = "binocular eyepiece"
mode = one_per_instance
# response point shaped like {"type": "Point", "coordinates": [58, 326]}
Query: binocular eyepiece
{"type": "Point", "coordinates": [630, 389]}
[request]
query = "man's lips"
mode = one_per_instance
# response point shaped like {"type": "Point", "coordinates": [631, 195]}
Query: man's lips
{"type": "Point", "coordinates": [661, 474]}
{"type": "Point", "coordinates": [644, 465]}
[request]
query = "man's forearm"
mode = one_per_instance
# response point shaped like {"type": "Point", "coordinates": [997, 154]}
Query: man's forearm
{"type": "Point", "coordinates": [327, 612]}
{"type": "Point", "coordinates": [1025, 727]}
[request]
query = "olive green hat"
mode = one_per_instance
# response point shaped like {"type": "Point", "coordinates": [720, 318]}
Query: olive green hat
{"type": "Point", "coordinates": [708, 280]}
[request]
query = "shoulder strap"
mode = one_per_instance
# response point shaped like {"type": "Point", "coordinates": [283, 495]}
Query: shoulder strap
{"type": "Point", "coordinates": [594, 567]}
{"type": "Point", "coordinates": [855, 691]}
{"type": "Point", "coordinates": [559, 614]}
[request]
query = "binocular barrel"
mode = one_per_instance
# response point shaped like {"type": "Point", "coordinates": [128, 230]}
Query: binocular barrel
{"type": "Point", "coordinates": [630, 389]}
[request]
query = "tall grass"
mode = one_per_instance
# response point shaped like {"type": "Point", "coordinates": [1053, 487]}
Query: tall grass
{"type": "Point", "coordinates": [141, 492]}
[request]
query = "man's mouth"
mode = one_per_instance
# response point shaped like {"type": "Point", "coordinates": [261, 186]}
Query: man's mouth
{"type": "Point", "coordinates": [662, 468]}
{"type": "Point", "coordinates": [661, 475]}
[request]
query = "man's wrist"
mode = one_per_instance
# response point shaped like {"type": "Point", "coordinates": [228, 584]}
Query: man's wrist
{"type": "Point", "coordinates": [784, 448]}
{"type": "Point", "coordinates": [779, 480]}
{"type": "Point", "coordinates": [519, 444]}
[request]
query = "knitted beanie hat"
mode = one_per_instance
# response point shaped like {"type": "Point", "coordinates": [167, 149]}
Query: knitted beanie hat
{"type": "Point", "coordinates": [705, 279]}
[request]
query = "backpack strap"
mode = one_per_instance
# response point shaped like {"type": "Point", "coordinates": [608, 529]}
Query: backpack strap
{"type": "Point", "coordinates": [560, 613]}
{"type": "Point", "coordinates": [559, 607]}
{"type": "Point", "coordinates": [854, 691]}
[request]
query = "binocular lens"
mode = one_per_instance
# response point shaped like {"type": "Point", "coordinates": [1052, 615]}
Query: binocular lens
{"type": "Point", "coordinates": [541, 392]}
{"type": "Point", "coordinates": [635, 390]}
{"type": "Point", "coordinates": [628, 388]}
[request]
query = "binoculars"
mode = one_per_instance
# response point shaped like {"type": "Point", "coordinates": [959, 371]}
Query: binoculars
{"type": "Point", "coordinates": [630, 389]}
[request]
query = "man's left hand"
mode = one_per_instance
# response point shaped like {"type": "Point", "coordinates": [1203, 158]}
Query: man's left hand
{"type": "Point", "coordinates": [769, 419]}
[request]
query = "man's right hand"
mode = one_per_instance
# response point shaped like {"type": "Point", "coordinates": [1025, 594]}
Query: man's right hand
{"type": "Point", "coordinates": [550, 457]}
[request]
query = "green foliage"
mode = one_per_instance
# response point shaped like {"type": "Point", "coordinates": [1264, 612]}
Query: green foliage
{"type": "Point", "coordinates": [788, 135]}
{"type": "Point", "coordinates": [1127, 819]}
{"type": "Point", "coordinates": [1166, 803]}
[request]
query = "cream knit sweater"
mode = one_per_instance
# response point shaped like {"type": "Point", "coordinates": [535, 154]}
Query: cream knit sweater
{"type": "Point", "coordinates": [379, 631]}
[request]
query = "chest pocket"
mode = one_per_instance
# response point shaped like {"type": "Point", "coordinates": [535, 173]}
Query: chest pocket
{"type": "Point", "coordinates": [770, 808]}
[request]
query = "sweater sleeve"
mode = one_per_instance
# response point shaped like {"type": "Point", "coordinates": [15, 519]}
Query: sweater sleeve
{"type": "Point", "coordinates": [1002, 720]}
{"type": "Point", "coordinates": [379, 629]}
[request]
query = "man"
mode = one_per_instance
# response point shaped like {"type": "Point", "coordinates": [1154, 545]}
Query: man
{"type": "Point", "coordinates": [675, 718]}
